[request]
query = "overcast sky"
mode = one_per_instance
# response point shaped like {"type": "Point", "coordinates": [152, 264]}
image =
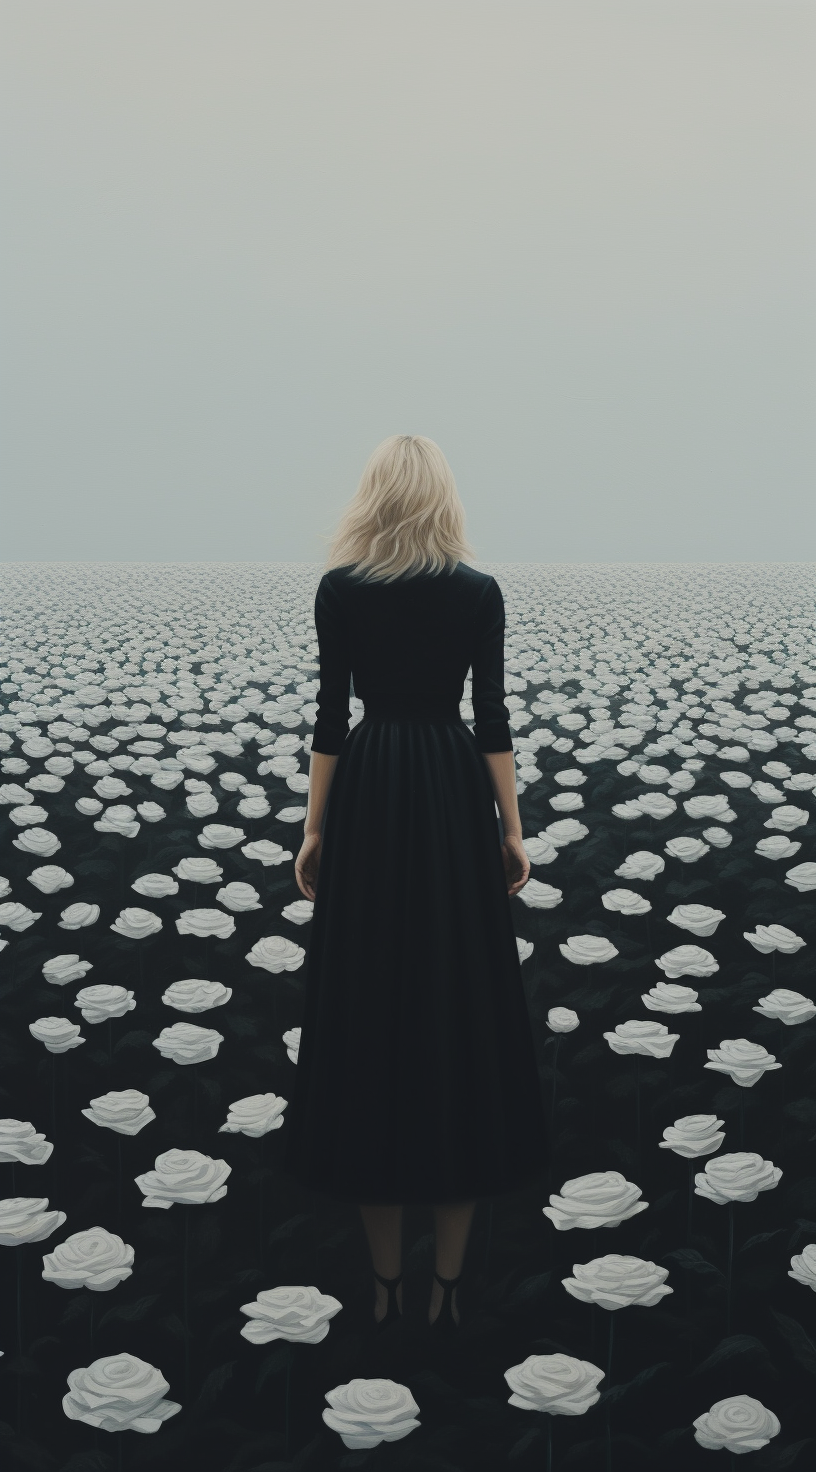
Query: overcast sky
{"type": "Point", "coordinates": [572, 241]}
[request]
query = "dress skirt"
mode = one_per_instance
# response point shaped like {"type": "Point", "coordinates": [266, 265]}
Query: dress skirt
{"type": "Point", "coordinates": [416, 1076]}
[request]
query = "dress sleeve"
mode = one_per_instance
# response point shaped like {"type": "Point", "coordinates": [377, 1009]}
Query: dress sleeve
{"type": "Point", "coordinates": [333, 710]}
{"type": "Point", "coordinates": [491, 720]}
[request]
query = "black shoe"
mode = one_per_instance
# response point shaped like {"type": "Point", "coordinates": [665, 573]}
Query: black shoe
{"type": "Point", "coordinates": [392, 1312]}
{"type": "Point", "coordinates": [444, 1321]}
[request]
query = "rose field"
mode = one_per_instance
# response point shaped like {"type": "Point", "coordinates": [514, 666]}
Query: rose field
{"type": "Point", "coordinates": [163, 1277]}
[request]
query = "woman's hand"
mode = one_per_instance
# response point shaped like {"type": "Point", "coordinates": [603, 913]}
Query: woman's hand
{"type": "Point", "coordinates": [516, 863]}
{"type": "Point", "coordinates": [307, 864]}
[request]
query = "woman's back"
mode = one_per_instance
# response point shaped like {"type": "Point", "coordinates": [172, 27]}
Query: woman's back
{"type": "Point", "coordinates": [409, 644]}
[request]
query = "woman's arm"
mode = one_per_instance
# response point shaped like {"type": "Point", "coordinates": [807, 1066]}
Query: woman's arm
{"type": "Point", "coordinates": [321, 772]}
{"type": "Point", "coordinates": [502, 767]}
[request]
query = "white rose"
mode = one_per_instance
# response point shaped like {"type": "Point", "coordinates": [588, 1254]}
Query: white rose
{"type": "Point", "coordinates": [119, 1392]}
{"type": "Point", "coordinates": [540, 850]}
{"type": "Point", "coordinates": [366, 1412]}
{"type": "Point", "coordinates": [561, 1019]}
{"type": "Point", "coordinates": [563, 802]}
{"type": "Point", "coordinates": [253, 807]}
{"type": "Point", "coordinates": [687, 850]}
{"type": "Point", "coordinates": [255, 1115]}
{"type": "Point", "coordinates": [767, 938]}
{"type": "Point", "coordinates": [556, 1383]}
{"type": "Point", "coordinates": [604, 1198]}
{"type": "Point", "coordinates": [787, 817]}
{"type": "Point", "coordinates": [194, 995]}
{"type": "Point", "coordinates": [737, 1177]}
{"type": "Point", "coordinates": [22, 816]}
{"type": "Point", "coordinates": [151, 812]}
{"type": "Point", "coordinates": [126, 1111]}
{"type": "Point", "coordinates": [788, 1007]}
{"type": "Point", "coordinates": [651, 1039]}
{"type": "Point", "coordinates": [777, 847]}
{"type": "Point", "coordinates": [717, 837]}
{"type": "Point", "coordinates": [276, 953]}
{"type": "Point", "coordinates": [735, 779]}
{"type": "Point", "coordinates": [629, 811]}
{"type": "Point", "coordinates": [300, 1315]}
{"type": "Point", "coordinates": [266, 852]}
{"type": "Point", "coordinates": [656, 804]}
{"type": "Point", "coordinates": [166, 779]}
{"type": "Point", "coordinates": [587, 950]}
{"type": "Point", "coordinates": [202, 805]}
{"type": "Point", "coordinates": [802, 877]}
{"type": "Point", "coordinates": [88, 806]}
{"type": "Point", "coordinates": [618, 1281]}
{"type": "Point", "coordinates": [56, 1033]}
{"type": "Point", "coordinates": [109, 787]}
{"type": "Point", "coordinates": [568, 830]}
{"type": "Point", "coordinates": [710, 807]}
{"type": "Point", "coordinates": [12, 794]}
{"type": "Point", "coordinates": [291, 1040]}
{"type": "Point", "coordinates": [738, 1423]}
{"type": "Point", "coordinates": [693, 1135]}
{"type": "Point", "coordinates": [687, 961]}
{"type": "Point", "coordinates": [119, 819]}
{"type": "Point", "coordinates": [234, 781]}
{"type": "Point", "coordinates": [220, 835]}
{"type": "Point", "coordinates": [185, 1043]}
{"type": "Point", "coordinates": [744, 1061]}
{"type": "Point", "coordinates": [199, 870]}
{"type": "Point", "coordinates": [61, 970]}
{"type": "Point", "coordinates": [136, 924]}
{"type": "Point", "coordinates": [239, 897]}
{"type": "Point", "coordinates": [77, 916]}
{"type": "Point", "coordinates": [205, 923]}
{"type": "Point", "coordinates": [49, 878]}
{"type": "Point", "coordinates": [538, 896]}
{"type": "Point", "coordinates": [569, 777]}
{"type": "Point", "coordinates": [19, 1140]}
{"type": "Point", "coordinates": [186, 1176]}
{"type": "Point", "coordinates": [299, 912]}
{"type": "Point", "coordinates": [641, 865]}
{"type": "Point", "coordinates": [627, 901]}
{"type": "Point", "coordinates": [699, 919]}
{"type": "Point", "coordinates": [654, 774]}
{"type": "Point", "coordinates": [669, 996]}
{"type": "Point", "coordinates": [18, 917]}
{"type": "Point", "coordinates": [803, 1267]}
{"type": "Point", "coordinates": [155, 886]}
{"type": "Point", "coordinates": [27, 1219]}
{"type": "Point", "coordinates": [98, 1003]}
{"type": "Point", "coordinates": [95, 1259]}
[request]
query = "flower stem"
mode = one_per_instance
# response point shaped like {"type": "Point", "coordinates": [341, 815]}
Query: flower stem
{"type": "Point", "coordinates": [289, 1355]}
{"type": "Point", "coordinates": [742, 1118]}
{"type": "Point", "coordinates": [19, 1336]}
{"type": "Point", "coordinates": [489, 1233]}
{"type": "Point", "coordinates": [690, 1200]}
{"type": "Point", "coordinates": [637, 1107]}
{"type": "Point", "coordinates": [549, 1442]}
{"type": "Point", "coordinates": [730, 1264]}
{"type": "Point", "coordinates": [186, 1210]}
{"type": "Point", "coordinates": [608, 1383]}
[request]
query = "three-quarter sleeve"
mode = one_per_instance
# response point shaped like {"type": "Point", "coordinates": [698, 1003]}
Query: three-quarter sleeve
{"type": "Point", "coordinates": [333, 710]}
{"type": "Point", "coordinates": [491, 719]}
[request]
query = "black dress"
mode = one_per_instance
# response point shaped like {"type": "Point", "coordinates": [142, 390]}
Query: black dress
{"type": "Point", "coordinates": [416, 1077]}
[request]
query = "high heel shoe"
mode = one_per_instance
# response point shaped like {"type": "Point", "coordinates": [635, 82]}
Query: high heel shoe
{"type": "Point", "coordinates": [392, 1312]}
{"type": "Point", "coordinates": [444, 1321]}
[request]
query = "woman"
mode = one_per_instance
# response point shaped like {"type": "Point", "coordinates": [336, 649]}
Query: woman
{"type": "Point", "coordinates": [416, 1077]}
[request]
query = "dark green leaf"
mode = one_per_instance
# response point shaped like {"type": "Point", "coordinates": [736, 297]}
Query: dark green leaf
{"type": "Point", "coordinates": [129, 1312]}
{"type": "Point", "coordinates": [216, 1380]}
{"type": "Point", "coordinates": [800, 1343]}
{"type": "Point", "coordinates": [728, 1349]}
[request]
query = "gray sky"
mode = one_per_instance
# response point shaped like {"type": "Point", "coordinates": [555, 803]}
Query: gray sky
{"type": "Point", "coordinates": [570, 240]}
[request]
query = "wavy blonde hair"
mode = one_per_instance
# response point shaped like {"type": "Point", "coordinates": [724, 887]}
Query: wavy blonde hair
{"type": "Point", "coordinates": [406, 516]}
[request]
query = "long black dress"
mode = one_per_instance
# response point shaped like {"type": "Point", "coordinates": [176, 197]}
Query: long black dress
{"type": "Point", "coordinates": [416, 1077]}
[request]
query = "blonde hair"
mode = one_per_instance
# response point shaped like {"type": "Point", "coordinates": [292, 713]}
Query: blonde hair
{"type": "Point", "coordinates": [406, 516]}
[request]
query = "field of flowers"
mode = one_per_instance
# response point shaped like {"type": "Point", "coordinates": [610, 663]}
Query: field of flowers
{"type": "Point", "coordinates": [659, 1305]}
